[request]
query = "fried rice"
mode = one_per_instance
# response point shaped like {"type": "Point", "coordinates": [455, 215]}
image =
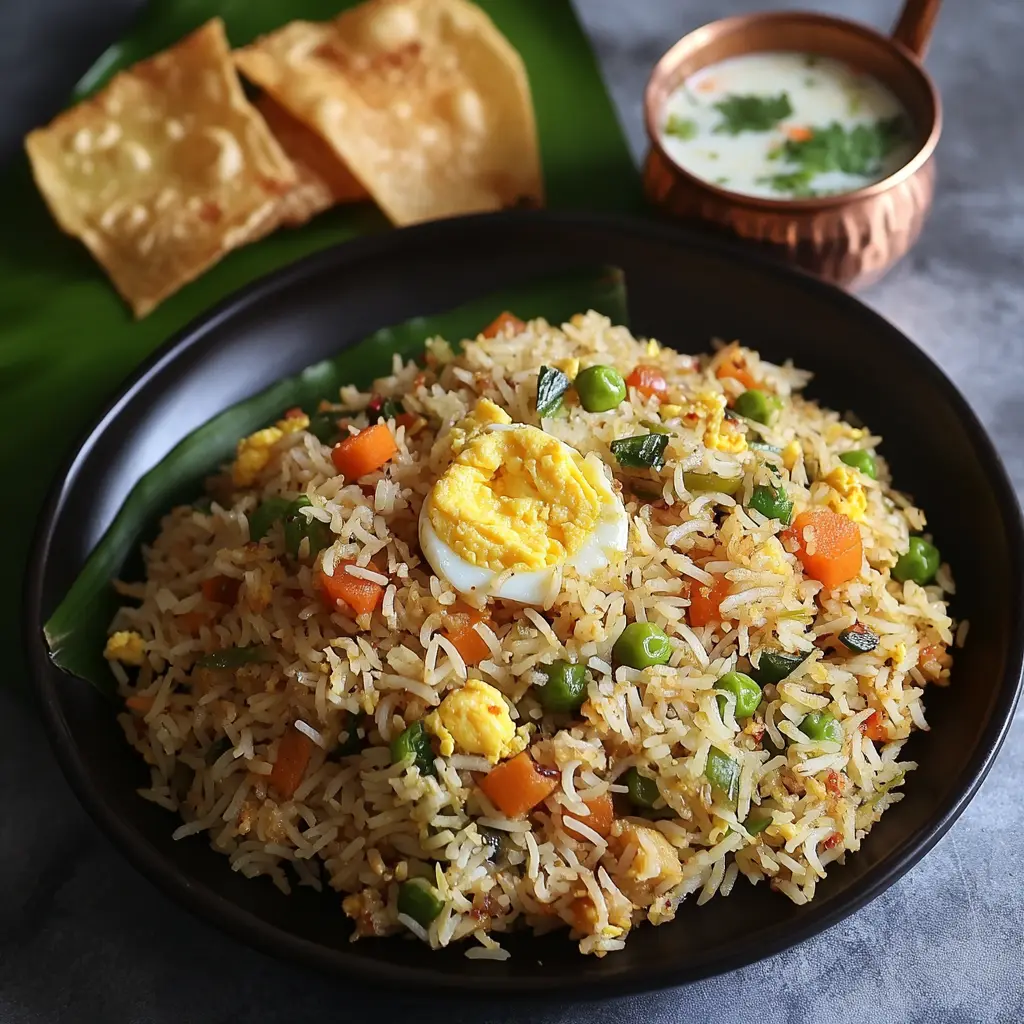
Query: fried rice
{"type": "Point", "coordinates": [283, 756]}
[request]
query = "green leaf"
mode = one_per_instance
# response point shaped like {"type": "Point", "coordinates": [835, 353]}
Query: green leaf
{"type": "Point", "coordinates": [858, 150]}
{"type": "Point", "coordinates": [644, 451]}
{"type": "Point", "coordinates": [751, 113]}
{"type": "Point", "coordinates": [551, 385]}
{"type": "Point", "coordinates": [75, 632]}
{"type": "Point", "coordinates": [67, 337]}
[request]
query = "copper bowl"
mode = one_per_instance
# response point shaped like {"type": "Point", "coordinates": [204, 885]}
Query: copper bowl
{"type": "Point", "coordinates": [851, 238]}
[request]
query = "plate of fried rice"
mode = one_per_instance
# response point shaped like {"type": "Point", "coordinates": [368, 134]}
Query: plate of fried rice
{"type": "Point", "coordinates": [562, 653]}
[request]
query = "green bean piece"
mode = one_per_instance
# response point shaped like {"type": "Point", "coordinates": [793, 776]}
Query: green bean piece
{"type": "Point", "coordinates": [758, 406]}
{"type": "Point", "coordinates": [723, 773]}
{"type": "Point", "coordinates": [920, 562]}
{"type": "Point", "coordinates": [551, 385]}
{"type": "Point", "coordinates": [566, 687]}
{"type": "Point", "coordinates": [642, 451]}
{"type": "Point", "coordinates": [820, 725]}
{"type": "Point", "coordinates": [774, 666]}
{"type": "Point", "coordinates": [859, 639]}
{"type": "Point", "coordinates": [353, 737]}
{"type": "Point", "coordinates": [266, 515]}
{"type": "Point", "coordinates": [234, 657]}
{"type": "Point", "coordinates": [704, 482]}
{"type": "Point", "coordinates": [772, 503]}
{"type": "Point", "coordinates": [861, 460]}
{"type": "Point", "coordinates": [600, 388]}
{"type": "Point", "coordinates": [756, 823]}
{"type": "Point", "coordinates": [324, 427]}
{"type": "Point", "coordinates": [642, 644]}
{"type": "Point", "coordinates": [297, 527]}
{"type": "Point", "coordinates": [744, 689]}
{"type": "Point", "coordinates": [418, 899]}
{"type": "Point", "coordinates": [643, 792]}
{"type": "Point", "coordinates": [414, 743]}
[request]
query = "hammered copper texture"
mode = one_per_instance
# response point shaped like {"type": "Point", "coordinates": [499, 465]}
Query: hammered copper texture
{"type": "Point", "coordinates": [852, 244]}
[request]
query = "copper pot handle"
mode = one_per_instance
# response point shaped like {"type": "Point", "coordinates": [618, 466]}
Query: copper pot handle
{"type": "Point", "coordinates": [914, 28]}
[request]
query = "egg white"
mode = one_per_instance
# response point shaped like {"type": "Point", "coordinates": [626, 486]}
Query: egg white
{"type": "Point", "coordinates": [608, 538]}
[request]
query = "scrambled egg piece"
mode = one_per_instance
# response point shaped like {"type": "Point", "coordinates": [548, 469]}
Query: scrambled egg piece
{"type": "Point", "coordinates": [516, 499]}
{"type": "Point", "coordinates": [791, 455]}
{"type": "Point", "coordinates": [254, 451]}
{"type": "Point", "coordinates": [835, 431]}
{"type": "Point", "coordinates": [653, 347]}
{"type": "Point", "coordinates": [847, 495]}
{"type": "Point", "coordinates": [719, 433]}
{"type": "Point", "coordinates": [127, 647]}
{"type": "Point", "coordinates": [570, 367]}
{"type": "Point", "coordinates": [474, 720]}
{"type": "Point", "coordinates": [655, 865]}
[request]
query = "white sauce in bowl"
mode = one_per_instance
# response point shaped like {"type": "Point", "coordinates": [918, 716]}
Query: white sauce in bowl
{"type": "Point", "coordinates": [785, 125]}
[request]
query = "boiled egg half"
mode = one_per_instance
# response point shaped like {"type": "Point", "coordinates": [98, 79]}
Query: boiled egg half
{"type": "Point", "coordinates": [514, 507]}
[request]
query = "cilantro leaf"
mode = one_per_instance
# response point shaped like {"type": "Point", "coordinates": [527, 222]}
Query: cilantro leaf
{"type": "Point", "coordinates": [681, 127]}
{"type": "Point", "coordinates": [860, 150]}
{"type": "Point", "coordinates": [751, 113]}
{"type": "Point", "coordinates": [796, 183]}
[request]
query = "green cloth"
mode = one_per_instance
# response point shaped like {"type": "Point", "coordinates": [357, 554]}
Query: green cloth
{"type": "Point", "coordinates": [67, 340]}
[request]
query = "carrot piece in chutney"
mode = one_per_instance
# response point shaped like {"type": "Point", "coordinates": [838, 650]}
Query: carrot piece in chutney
{"type": "Point", "coordinates": [362, 596]}
{"type": "Point", "coordinates": [293, 753]}
{"type": "Point", "coordinates": [834, 553]}
{"type": "Point", "coordinates": [364, 452]}
{"type": "Point", "coordinates": [705, 600]}
{"type": "Point", "coordinates": [517, 786]}
{"type": "Point", "coordinates": [503, 323]}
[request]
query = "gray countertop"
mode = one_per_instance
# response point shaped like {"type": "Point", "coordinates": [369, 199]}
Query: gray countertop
{"type": "Point", "coordinates": [82, 936]}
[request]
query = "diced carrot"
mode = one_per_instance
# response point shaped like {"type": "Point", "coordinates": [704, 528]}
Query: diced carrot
{"type": "Point", "coordinates": [517, 786]}
{"type": "Point", "coordinates": [503, 323]}
{"type": "Point", "coordinates": [364, 452]}
{"type": "Point", "coordinates": [705, 599]}
{"type": "Point", "coordinates": [468, 642]}
{"type": "Point", "coordinates": [294, 413]}
{"type": "Point", "coordinates": [648, 380]}
{"type": "Point", "coordinates": [838, 551]}
{"type": "Point", "coordinates": [735, 366]}
{"type": "Point", "coordinates": [412, 422]}
{"type": "Point", "coordinates": [798, 133]}
{"type": "Point", "coordinates": [293, 754]}
{"type": "Point", "coordinates": [362, 596]}
{"type": "Point", "coordinates": [602, 814]}
{"type": "Point", "coordinates": [192, 622]}
{"type": "Point", "coordinates": [141, 702]}
{"type": "Point", "coordinates": [707, 85]}
{"type": "Point", "coordinates": [874, 728]}
{"type": "Point", "coordinates": [221, 589]}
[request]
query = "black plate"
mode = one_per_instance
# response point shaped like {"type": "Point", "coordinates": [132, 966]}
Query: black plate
{"type": "Point", "coordinates": [683, 290]}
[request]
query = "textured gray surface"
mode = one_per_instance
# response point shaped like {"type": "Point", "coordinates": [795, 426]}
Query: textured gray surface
{"type": "Point", "coordinates": [83, 937]}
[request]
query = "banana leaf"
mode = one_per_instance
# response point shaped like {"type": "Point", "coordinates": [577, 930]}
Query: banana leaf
{"type": "Point", "coordinates": [75, 633]}
{"type": "Point", "coordinates": [68, 340]}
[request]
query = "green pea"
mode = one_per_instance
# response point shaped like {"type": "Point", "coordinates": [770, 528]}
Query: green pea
{"type": "Point", "coordinates": [642, 644]}
{"type": "Point", "coordinates": [296, 527]}
{"type": "Point", "coordinates": [820, 725]}
{"type": "Point", "coordinates": [772, 503]}
{"type": "Point", "coordinates": [643, 792]}
{"type": "Point", "coordinates": [600, 388]}
{"type": "Point", "coordinates": [566, 686]}
{"type": "Point", "coordinates": [862, 460]}
{"type": "Point", "coordinates": [414, 743]}
{"type": "Point", "coordinates": [756, 405]}
{"type": "Point", "coordinates": [419, 900]}
{"type": "Point", "coordinates": [920, 562]}
{"type": "Point", "coordinates": [745, 690]}
{"type": "Point", "coordinates": [723, 773]}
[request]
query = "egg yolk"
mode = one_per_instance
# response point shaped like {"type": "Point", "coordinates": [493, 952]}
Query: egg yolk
{"type": "Point", "coordinates": [516, 499]}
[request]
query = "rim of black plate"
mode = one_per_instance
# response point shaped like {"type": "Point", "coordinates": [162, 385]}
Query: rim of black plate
{"type": "Point", "coordinates": [253, 930]}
